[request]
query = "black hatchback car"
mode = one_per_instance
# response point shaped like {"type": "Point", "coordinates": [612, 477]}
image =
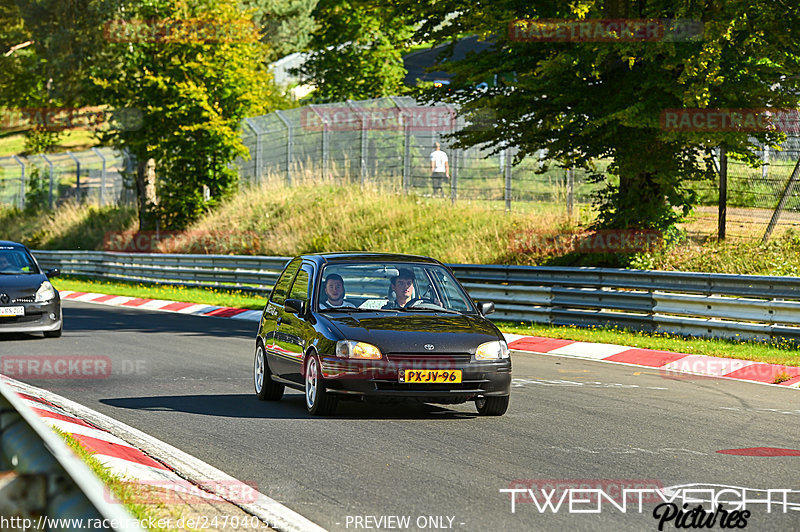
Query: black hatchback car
{"type": "Point", "coordinates": [360, 326]}
{"type": "Point", "coordinates": [28, 302]}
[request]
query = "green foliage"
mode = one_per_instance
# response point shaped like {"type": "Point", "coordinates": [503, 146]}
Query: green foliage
{"type": "Point", "coordinates": [37, 191]}
{"type": "Point", "coordinates": [286, 25]}
{"type": "Point", "coordinates": [584, 101]}
{"type": "Point", "coordinates": [193, 94]}
{"type": "Point", "coordinates": [358, 47]}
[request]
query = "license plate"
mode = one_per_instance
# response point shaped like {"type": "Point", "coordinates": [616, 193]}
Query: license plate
{"type": "Point", "coordinates": [12, 311]}
{"type": "Point", "coordinates": [426, 376]}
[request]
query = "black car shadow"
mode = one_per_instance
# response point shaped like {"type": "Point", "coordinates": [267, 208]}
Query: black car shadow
{"type": "Point", "coordinates": [292, 406]}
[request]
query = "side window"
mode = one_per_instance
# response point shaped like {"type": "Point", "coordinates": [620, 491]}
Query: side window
{"type": "Point", "coordinates": [300, 286]}
{"type": "Point", "coordinates": [282, 286]}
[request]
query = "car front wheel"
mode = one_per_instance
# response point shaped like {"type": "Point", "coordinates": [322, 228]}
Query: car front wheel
{"type": "Point", "coordinates": [266, 388]}
{"type": "Point", "coordinates": [318, 401]}
{"type": "Point", "coordinates": [492, 406]}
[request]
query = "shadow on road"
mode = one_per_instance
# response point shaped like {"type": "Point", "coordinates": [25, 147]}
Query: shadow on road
{"type": "Point", "coordinates": [290, 407]}
{"type": "Point", "coordinates": [88, 318]}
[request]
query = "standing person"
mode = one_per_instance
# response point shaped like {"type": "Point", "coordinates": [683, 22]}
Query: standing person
{"type": "Point", "coordinates": [440, 169]}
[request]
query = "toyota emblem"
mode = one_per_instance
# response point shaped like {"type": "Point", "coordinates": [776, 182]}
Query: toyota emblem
{"type": "Point", "coordinates": [4, 299]}
{"type": "Point", "coordinates": [429, 347]}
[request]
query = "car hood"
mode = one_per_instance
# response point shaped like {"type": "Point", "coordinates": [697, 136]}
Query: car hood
{"type": "Point", "coordinates": [410, 333]}
{"type": "Point", "coordinates": [20, 285]}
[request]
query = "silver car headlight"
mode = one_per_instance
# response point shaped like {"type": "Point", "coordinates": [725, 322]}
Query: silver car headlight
{"type": "Point", "coordinates": [492, 351]}
{"type": "Point", "coordinates": [45, 293]}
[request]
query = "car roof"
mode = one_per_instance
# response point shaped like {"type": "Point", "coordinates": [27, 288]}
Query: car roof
{"type": "Point", "coordinates": [10, 244]}
{"type": "Point", "coordinates": [347, 256]}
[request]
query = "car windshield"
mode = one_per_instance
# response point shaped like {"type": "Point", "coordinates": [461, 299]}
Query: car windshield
{"type": "Point", "coordinates": [14, 261]}
{"type": "Point", "coordinates": [391, 287]}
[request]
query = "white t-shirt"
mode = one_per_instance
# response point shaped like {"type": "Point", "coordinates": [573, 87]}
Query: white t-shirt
{"type": "Point", "coordinates": [438, 157]}
{"type": "Point", "coordinates": [328, 304]}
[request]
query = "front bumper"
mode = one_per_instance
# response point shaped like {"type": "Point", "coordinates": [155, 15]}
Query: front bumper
{"type": "Point", "coordinates": [380, 378]}
{"type": "Point", "coordinates": [36, 319]}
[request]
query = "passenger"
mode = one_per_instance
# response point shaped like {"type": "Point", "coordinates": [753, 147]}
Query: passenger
{"type": "Point", "coordinates": [402, 287]}
{"type": "Point", "coordinates": [334, 292]}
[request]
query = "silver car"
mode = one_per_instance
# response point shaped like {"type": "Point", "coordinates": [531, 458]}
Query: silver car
{"type": "Point", "coordinates": [28, 302]}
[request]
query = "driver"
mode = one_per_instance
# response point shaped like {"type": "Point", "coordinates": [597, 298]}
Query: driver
{"type": "Point", "coordinates": [402, 285]}
{"type": "Point", "coordinates": [334, 292]}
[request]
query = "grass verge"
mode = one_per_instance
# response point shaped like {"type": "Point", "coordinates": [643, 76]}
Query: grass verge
{"type": "Point", "coordinates": [205, 296]}
{"type": "Point", "coordinates": [123, 490]}
{"type": "Point", "coordinates": [785, 353]}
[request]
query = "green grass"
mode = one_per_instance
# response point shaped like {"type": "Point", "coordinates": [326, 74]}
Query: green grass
{"type": "Point", "coordinates": [772, 353]}
{"type": "Point", "coordinates": [124, 490]}
{"type": "Point", "coordinates": [12, 143]}
{"type": "Point", "coordinates": [206, 296]}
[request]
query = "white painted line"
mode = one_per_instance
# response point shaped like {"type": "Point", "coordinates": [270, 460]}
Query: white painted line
{"type": "Point", "coordinates": [250, 315]}
{"type": "Point", "coordinates": [156, 304]}
{"type": "Point", "coordinates": [705, 365]}
{"type": "Point", "coordinates": [265, 508]}
{"type": "Point", "coordinates": [116, 301]}
{"type": "Point", "coordinates": [197, 309]}
{"type": "Point", "coordinates": [589, 350]}
{"type": "Point", "coordinates": [511, 337]}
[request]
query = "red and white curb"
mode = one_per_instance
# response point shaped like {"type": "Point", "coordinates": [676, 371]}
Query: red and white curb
{"type": "Point", "coordinates": [162, 305]}
{"type": "Point", "coordinates": [143, 459]}
{"type": "Point", "coordinates": [666, 361]}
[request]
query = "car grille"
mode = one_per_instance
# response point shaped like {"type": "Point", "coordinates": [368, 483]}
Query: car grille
{"type": "Point", "coordinates": [27, 299]}
{"type": "Point", "coordinates": [22, 319]}
{"type": "Point", "coordinates": [423, 358]}
{"type": "Point", "coordinates": [402, 386]}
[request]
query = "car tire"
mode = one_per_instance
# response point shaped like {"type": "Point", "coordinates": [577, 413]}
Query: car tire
{"type": "Point", "coordinates": [492, 406]}
{"type": "Point", "coordinates": [266, 388]}
{"type": "Point", "coordinates": [54, 334]}
{"type": "Point", "coordinates": [318, 401]}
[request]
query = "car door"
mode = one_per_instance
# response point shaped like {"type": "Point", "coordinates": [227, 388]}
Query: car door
{"type": "Point", "coordinates": [272, 313]}
{"type": "Point", "coordinates": [294, 331]}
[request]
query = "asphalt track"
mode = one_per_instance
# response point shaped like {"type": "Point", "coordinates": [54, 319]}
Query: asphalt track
{"type": "Point", "coordinates": [187, 381]}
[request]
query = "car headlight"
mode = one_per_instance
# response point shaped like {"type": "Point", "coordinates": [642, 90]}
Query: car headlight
{"type": "Point", "coordinates": [360, 350]}
{"type": "Point", "coordinates": [45, 293]}
{"type": "Point", "coordinates": [492, 351]}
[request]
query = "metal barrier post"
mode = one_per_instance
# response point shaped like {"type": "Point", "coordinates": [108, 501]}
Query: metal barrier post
{"type": "Point", "coordinates": [508, 179]}
{"type": "Point", "coordinates": [21, 183]}
{"type": "Point", "coordinates": [289, 146]}
{"type": "Point", "coordinates": [257, 161]}
{"type": "Point", "coordinates": [77, 175]}
{"type": "Point", "coordinates": [570, 190]}
{"type": "Point", "coordinates": [49, 162]}
{"type": "Point", "coordinates": [102, 177]}
{"type": "Point", "coordinates": [363, 163]}
{"type": "Point", "coordinates": [325, 142]}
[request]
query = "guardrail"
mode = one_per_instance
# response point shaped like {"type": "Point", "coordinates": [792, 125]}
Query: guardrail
{"type": "Point", "coordinates": [699, 304]}
{"type": "Point", "coordinates": [49, 488]}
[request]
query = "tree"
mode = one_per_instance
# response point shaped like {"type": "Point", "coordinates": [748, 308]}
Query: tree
{"type": "Point", "coordinates": [46, 49]}
{"type": "Point", "coordinates": [357, 50]}
{"type": "Point", "coordinates": [286, 25]}
{"type": "Point", "coordinates": [194, 78]}
{"type": "Point", "coordinates": [584, 100]}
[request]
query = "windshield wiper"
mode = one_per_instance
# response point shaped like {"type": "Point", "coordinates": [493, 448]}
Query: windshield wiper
{"type": "Point", "coordinates": [428, 309]}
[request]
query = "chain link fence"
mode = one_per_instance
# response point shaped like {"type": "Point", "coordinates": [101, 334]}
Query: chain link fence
{"type": "Point", "coordinates": [387, 143]}
{"type": "Point", "coordinates": [94, 175]}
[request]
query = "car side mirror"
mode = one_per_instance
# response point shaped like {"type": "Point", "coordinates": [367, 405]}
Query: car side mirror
{"type": "Point", "coordinates": [486, 307]}
{"type": "Point", "coordinates": [295, 306]}
{"type": "Point", "coordinates": [55, 272]}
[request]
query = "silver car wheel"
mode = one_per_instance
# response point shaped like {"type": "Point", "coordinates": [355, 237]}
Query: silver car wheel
{"type": "Point", "coordinates": [258, 369]}
{"type": "Point", "coordinates": [311, 382]}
